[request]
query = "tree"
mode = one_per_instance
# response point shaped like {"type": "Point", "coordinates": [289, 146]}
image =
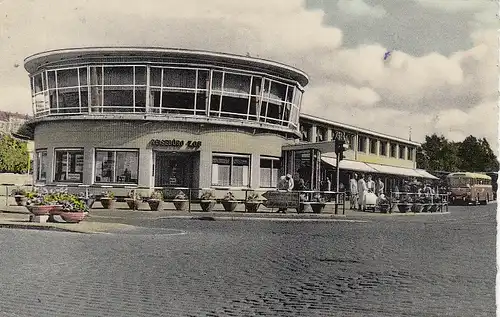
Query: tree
{"type": "Point", "coordinates": [477, 156]}
{"type": "Point", "coordinates": [14, 155]}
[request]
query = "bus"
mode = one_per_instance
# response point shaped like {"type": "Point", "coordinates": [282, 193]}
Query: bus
{"type": "Point", "coordinates": [469, 188]}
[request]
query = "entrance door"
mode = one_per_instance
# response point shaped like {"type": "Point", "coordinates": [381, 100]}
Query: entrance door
{"type": "Point", "coordinates": [173, 169]}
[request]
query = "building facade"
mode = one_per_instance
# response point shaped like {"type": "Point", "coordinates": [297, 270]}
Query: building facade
{"type": "Point", "coordinates": [155, 117]}
{"type": "Point", "coordinates": [161, 117]}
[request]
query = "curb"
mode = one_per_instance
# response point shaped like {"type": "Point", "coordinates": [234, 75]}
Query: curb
{"type": "Point", "coordinates": [41, 227]}
{"type": "Point", "coordinates": [212, 218]}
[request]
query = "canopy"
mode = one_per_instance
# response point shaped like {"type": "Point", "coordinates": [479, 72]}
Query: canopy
{"type": "Point", "coordinates": [394, 170]}
{"type": "Point", "coordinates": [349, 165]}
{"type": "Point", "coordinates": [426, 174]}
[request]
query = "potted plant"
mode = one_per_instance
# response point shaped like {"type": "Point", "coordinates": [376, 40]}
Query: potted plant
{"type": "Point", "coordinates": [88, 199]}
{"type": "Point", "coordinates": [74, 209]}
{"type": "Point", "coordinates": [252, 202]}
{"type": "Point", "coordinates": [318, 203]}
{"type": "Point", "coordinates": [305, 205]}
{"type": "Point", "coordinates": [42, 203]}
{"type": "Point", "coordinates": [229, 202]}
{"type": "Point", "coordinates": [181, 201]}
{"type": "Point", "coordinates": [20, 196]}
{"type": "Point", "coordinates": [384, 204]}
{"type": "Point", "coordinates": [207, 201]}
{"type": "Point", "coordinates": [156, 200]}
{"type": "Point", "coordinates": [404, 205]}
{"type": "Point", "coordinates": [418, 205]}
{"type": "Point", "coordinates": [133, 200]}
{"type": "Point", "coordinates": [107, 200]}
{"type": "Point", "coordinates": [426, 205]}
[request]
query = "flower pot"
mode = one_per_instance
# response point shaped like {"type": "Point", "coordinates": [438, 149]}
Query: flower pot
{"type": "Point", "coordinates": [433, 208]}
{"type": "Point", "coordinates": [229, 205]}
{"type": "Point", "coordinates": [56, 210]}
{"type": "Point", "coordinates": [384, 208]}
{"type": "Point", "coordinates": [181, 204]}
{"type": "Point", "coordinates": [207, 205]}
{"type": "Point", "coordinates": [20, 200]}
{"type": "Point", "coordinates": [317, 207]}
{"type": "Point", "coordinates": [417, 207]}
{"type": "Point", "coordinates": [107, 203]}
{"type": "Point", "coordinates": [155, 204]}
{"type": "Point", "coordinates": [133, 203]}
{"type": "Point", "coordinates": [404, 207]}
{"type": "Point", "coordinates": [40, 210]}
{"type": "Point", "coordinates": [252, 206]}
{"type": "Point", "coordinates": [304, 207]}
{"type": "Point", "coordinates": [73, 217]}
{"type": "Point", "coordinates": [426, 207]}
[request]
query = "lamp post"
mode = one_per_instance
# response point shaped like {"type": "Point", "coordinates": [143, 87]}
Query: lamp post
{"type": "Point", "coordinates": [340, 147]}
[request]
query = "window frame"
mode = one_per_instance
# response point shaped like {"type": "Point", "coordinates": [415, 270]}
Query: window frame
{"type": "Point", "coordinates": [391, 145]}
{"type": "Point", "coordinates": [115, 151]}
{"type": "Point", "coordinates": [231, 156]}
{"type": "Point", "coordinates": [272, 159]}
{"type": "Point", "coordinates": [372, 146]}
{"type": "Point", "coordinates": [37, 165]}
{"type": "Point", "coordinates": [68, 150]}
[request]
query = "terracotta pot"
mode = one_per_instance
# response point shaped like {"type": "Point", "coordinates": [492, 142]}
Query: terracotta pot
{"type": "Point", "coordinates": [317, 207]}
{"type": "Point", "coordinates": [133, 203]}
{"type": "Point", "coordinates": [404, 207]}
{"type": "Point", "coordinates": [73, 217]}
{"type": "Point", "coordinates": [229, 205]}
{"type": "Point", "coordinates": [384, 208]}
{"type": "Point", "coordinates": [252, 206]}
{"type": "Point", "coordinates": [40, 210]}
{"type": "Point", "coordinates": [56, 210]}
{"type": "Point", "coordinates": [20, 200]}
{"type": "Point", "coordinates": [207, 205]}
{"type": "Point", "coordinates": [107, 203]}
{"type": "Point", "coordinates": [181, 204]}
{"type": "Point", "coordinates": [155, 204]}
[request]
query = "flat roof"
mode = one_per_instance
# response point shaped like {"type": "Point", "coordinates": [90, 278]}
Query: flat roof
{"type": "Point", "coordinates": [33, 62]}
{"type": "Point", "coordinates": [468, 174]}
{"type": "Point", "coordinates": [357, 129]}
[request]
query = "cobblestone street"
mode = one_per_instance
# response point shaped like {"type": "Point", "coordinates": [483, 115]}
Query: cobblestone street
{"type": "Point", "coordinates": [422, 265]}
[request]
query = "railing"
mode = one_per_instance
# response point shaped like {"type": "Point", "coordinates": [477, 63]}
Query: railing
{"type": "Point", "coordinates": [310, 200]}
{"type": "Point", "coordinates": [438, 201]}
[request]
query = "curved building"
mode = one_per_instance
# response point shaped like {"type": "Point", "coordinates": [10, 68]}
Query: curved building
{"type": "Point", "coordinates": [161, 117]}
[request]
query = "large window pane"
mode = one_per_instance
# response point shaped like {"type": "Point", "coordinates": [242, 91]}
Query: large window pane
{"type": "Point", "coordinates": [41, 164]}
{"type": "Point", "coordinates": [120, 98]}
{"type": "Point", "coordinates": [118, 75]}
{"type": "Point", "coordinates": [234, 107]}
{"type": "Point", "coordinates": [203, 79]}
{"type": "Point", "coordinates": [230, 170]}
{"type": "Point", "coordinates": [179, 78]}
{"type": "Point", "coordinates": [236, 83]}
{"type": "Point", "coordinates": [269, 172]}
{"type": "Point", "coordinates": [115, 166]}
{"type": "Point", "coordinates": [69, 166]}
{"type": "Point", "coordinates": [155, 74]}
{"type": "Point", "coordinates": [69, 100]}
{"type": "Point", "coordinates": [67, 78]}
{"type": "Point", "coordinates": [278, 91]}
{"type": "Point", "coordinates": [140, 75]}
{"type": "Point", "coordinates": [217, 81]}
{"type": "Point", "coordinates": [178, 100]}
{"type": "Point", "coordinates": [51, 77]}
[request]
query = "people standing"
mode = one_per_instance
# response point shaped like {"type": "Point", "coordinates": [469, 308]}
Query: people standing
{"type": "Point", "coordinates": [379, 187]}
{"type": "Point", "coordinates": [362, 190]}
{"type": "Point", "coordinates": [282, 185]}
{"type": "Point", "coordinates": [370, 184]}
{"type": "Point", "coordinates": [353, 186]}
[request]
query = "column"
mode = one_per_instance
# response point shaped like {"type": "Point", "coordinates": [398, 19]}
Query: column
{"type": "Point", "coordinates": [312, 133]}
{"type": "Point", "coordinates": [255, 171]}
{"type": "Point", "coordinates": [378, 147]}
{"type": "Point", "coordinates": [367, 145]}
{"type": "Point", "coordinates": [388, 149]}
{"type": "Point", "coordinates": [329, 134]}
{"type": "Point", "coordinates": [145, 177]}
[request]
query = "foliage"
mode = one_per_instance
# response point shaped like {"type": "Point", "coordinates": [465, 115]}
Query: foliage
{"type": "Point", "coordinates": [229, 196]}
{"type": "Point", "coordinates": [69, 202]}
{"type": "Point", "coordinates": [180, 196]}
{"type": "Point", "coordinates": [18, 191]}
{"type": "Point", "coordinates": [14, 155]}
{"type": "Point", "coordinates": [318, 198]}
{"type": "Point", "coordinates": [207, 195]}
{"type": "Point", "coordinates": [472, 155]}
{"type": "Point", "coordinates": [133, 194]}
{"type": "Point", "coordinates": [108, 194]}
{"type": "Point", "coordinates": [253, 196]}
{"type": "Point", "coordinates": [157, 194]}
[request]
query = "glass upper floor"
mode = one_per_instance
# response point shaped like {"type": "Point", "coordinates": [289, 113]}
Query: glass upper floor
{"type": "Point", "coordinates": [166, 90]}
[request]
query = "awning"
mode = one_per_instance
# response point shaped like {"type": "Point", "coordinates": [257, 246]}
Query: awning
{"type": "Point", "coordinates": [349, 165]}
{"type": "Point", "coordinates": [394, 170]}
{"type": "Point", "coordinates": [426, 174]}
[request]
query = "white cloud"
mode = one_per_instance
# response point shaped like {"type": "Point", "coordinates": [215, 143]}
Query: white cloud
{"type": "Point", "coordinates": [359, 8]}
{"type": "Point", "coordinates": [353, 85]}
{"type": "Point", "coordinates": [457, 5]}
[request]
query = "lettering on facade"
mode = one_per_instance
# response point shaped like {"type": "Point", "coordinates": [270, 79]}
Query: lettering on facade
{"type": "Point", "coordinates": [176, 143]}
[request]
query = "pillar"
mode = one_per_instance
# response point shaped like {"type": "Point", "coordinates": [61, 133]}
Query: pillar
{"type": "Point", "coordinates": [312, 133]}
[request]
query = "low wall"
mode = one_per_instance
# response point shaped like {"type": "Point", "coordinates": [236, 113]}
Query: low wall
{"type": "Point", "coordinates": [17, 179]}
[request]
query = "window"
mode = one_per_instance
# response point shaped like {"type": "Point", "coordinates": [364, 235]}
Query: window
{"type": "Point", "coordinates": [383, 148]}
{"type": "Point", "coordinates": [393, 150]}
{"type": "Point", "coordinates": [409, 153]}
{"type": "Point", "coordinates": [230, 170]}
{"type": "Point", "coordinates": [402, 152]}
{"type": "Point", "coordinates": [69, 165]}
{"type": "Point", "coordinates": [361, 143]}
{"type": "Point", "coordinates": [116, 166]}
{"type": "Point", "coordinates": [269, 171]}
{"type": "Point", "coordinates": [41, 165]}
{"type": "Point", "coordinates": [373, 146]}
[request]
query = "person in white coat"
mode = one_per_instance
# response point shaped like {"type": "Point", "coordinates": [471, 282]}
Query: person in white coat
{"type": "Point", "coordinates": [353, 186]}
{"type": "Point", "coordinates": [362, 190]}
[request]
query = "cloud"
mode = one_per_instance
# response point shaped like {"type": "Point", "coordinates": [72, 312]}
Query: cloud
{"type": "Point", "coordinates": [432, 92]}
{"type": "Point", "coordinates": [457, 5]}
{"type": "Point", "coordinates": [358, 8]}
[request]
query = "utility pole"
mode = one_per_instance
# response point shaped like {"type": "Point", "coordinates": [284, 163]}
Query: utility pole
{"type": "Point", "coordinates": [340, 147]}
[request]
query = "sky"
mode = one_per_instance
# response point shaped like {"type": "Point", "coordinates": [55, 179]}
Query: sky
{"type": "Point", "coordinates": [441, 76]}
